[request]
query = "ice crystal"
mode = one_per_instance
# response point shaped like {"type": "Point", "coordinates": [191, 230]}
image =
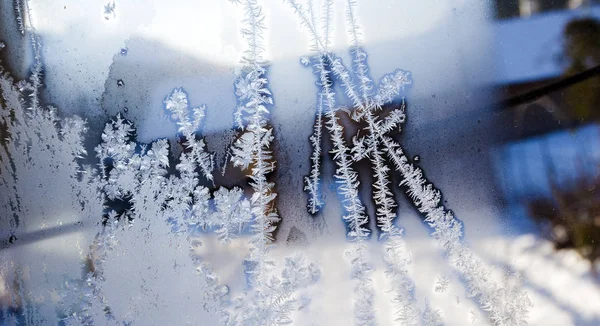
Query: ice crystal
{"type": "Point", "coordinates": [431, 316]}
{"type": "Point", "coordinates": [252, 149]}
{"type": "Point", "coordinates": [273, 301]}
{"type": "Point", "coordinates": [19, 16]}
{"type": "Point", "coordinates": [233, 212]}
{"type": "Point", "coordinates": [442, 283]}
{"type": "Point", "coordinates": [368, 99]}
{"type": "Point", "coordinates": [37, 145]}
{"type": "Point", "coordinates": [39, 159]}
{"type": "Point", "coordinates": [109, 10]}
{"type": "Point", "coordinates": [177, 104]}
{"type": "Point", "coordinates": [346, 177]}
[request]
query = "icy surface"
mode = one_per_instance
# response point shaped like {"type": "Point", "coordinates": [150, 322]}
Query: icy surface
{"type": "Point", "coordinates": [176, 263]}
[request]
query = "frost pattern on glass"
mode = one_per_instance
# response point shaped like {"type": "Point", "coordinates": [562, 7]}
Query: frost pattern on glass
{"type": "Point", "coordinates": [136, 196]}
{"type": "Point", "coordinates": [269, 300]}
{"type": "Point", "coordinates": [251, 151]}
{"type": "Point", "coordinates": [109, 10]}
{"type": "Point", "coordinates": [431, 316]}
{"type": "Point", "coordinates": [506, 306]}
{"type": "Point", "coordinates": [345, 175]}
{"type": "Point", "coordinates": [441, 284]}
{"type": "Point", "coordinates": [41, 183]}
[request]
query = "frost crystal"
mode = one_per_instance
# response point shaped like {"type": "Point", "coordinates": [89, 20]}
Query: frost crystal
{"type": "Point", "coordinates": [376, 143]}
{"type": "Point", "coordinates": [135, 183]}
{"type": "Point", "coordinates": [233, 212]}
{"type": "Point", "coordinates": [252, 149]}
{"type": "Point", "coordinates": [109, 10]}
{"type": "Point", "coordinates": [346, 177]}
{"type": "Point", "coordinates": [273, 302]}
{"type": "Point", "coordinates": [39, 155]}
{"type": "Point", "coordinates": [194, 149]}
{"type": "Point", "coordinates": [19, 16]}
{"type": "Point", "coordinates": [269, 300]}
{"type": "Point", "coordinates": [442, 283]}
{"type": "Point", "coordinates": [305, 61]}
{"type": "Point", "coordinates": [431, 316]}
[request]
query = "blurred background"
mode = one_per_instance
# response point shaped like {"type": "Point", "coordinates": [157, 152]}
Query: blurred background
{"type": "Point", "coordinates": [548, 163]}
